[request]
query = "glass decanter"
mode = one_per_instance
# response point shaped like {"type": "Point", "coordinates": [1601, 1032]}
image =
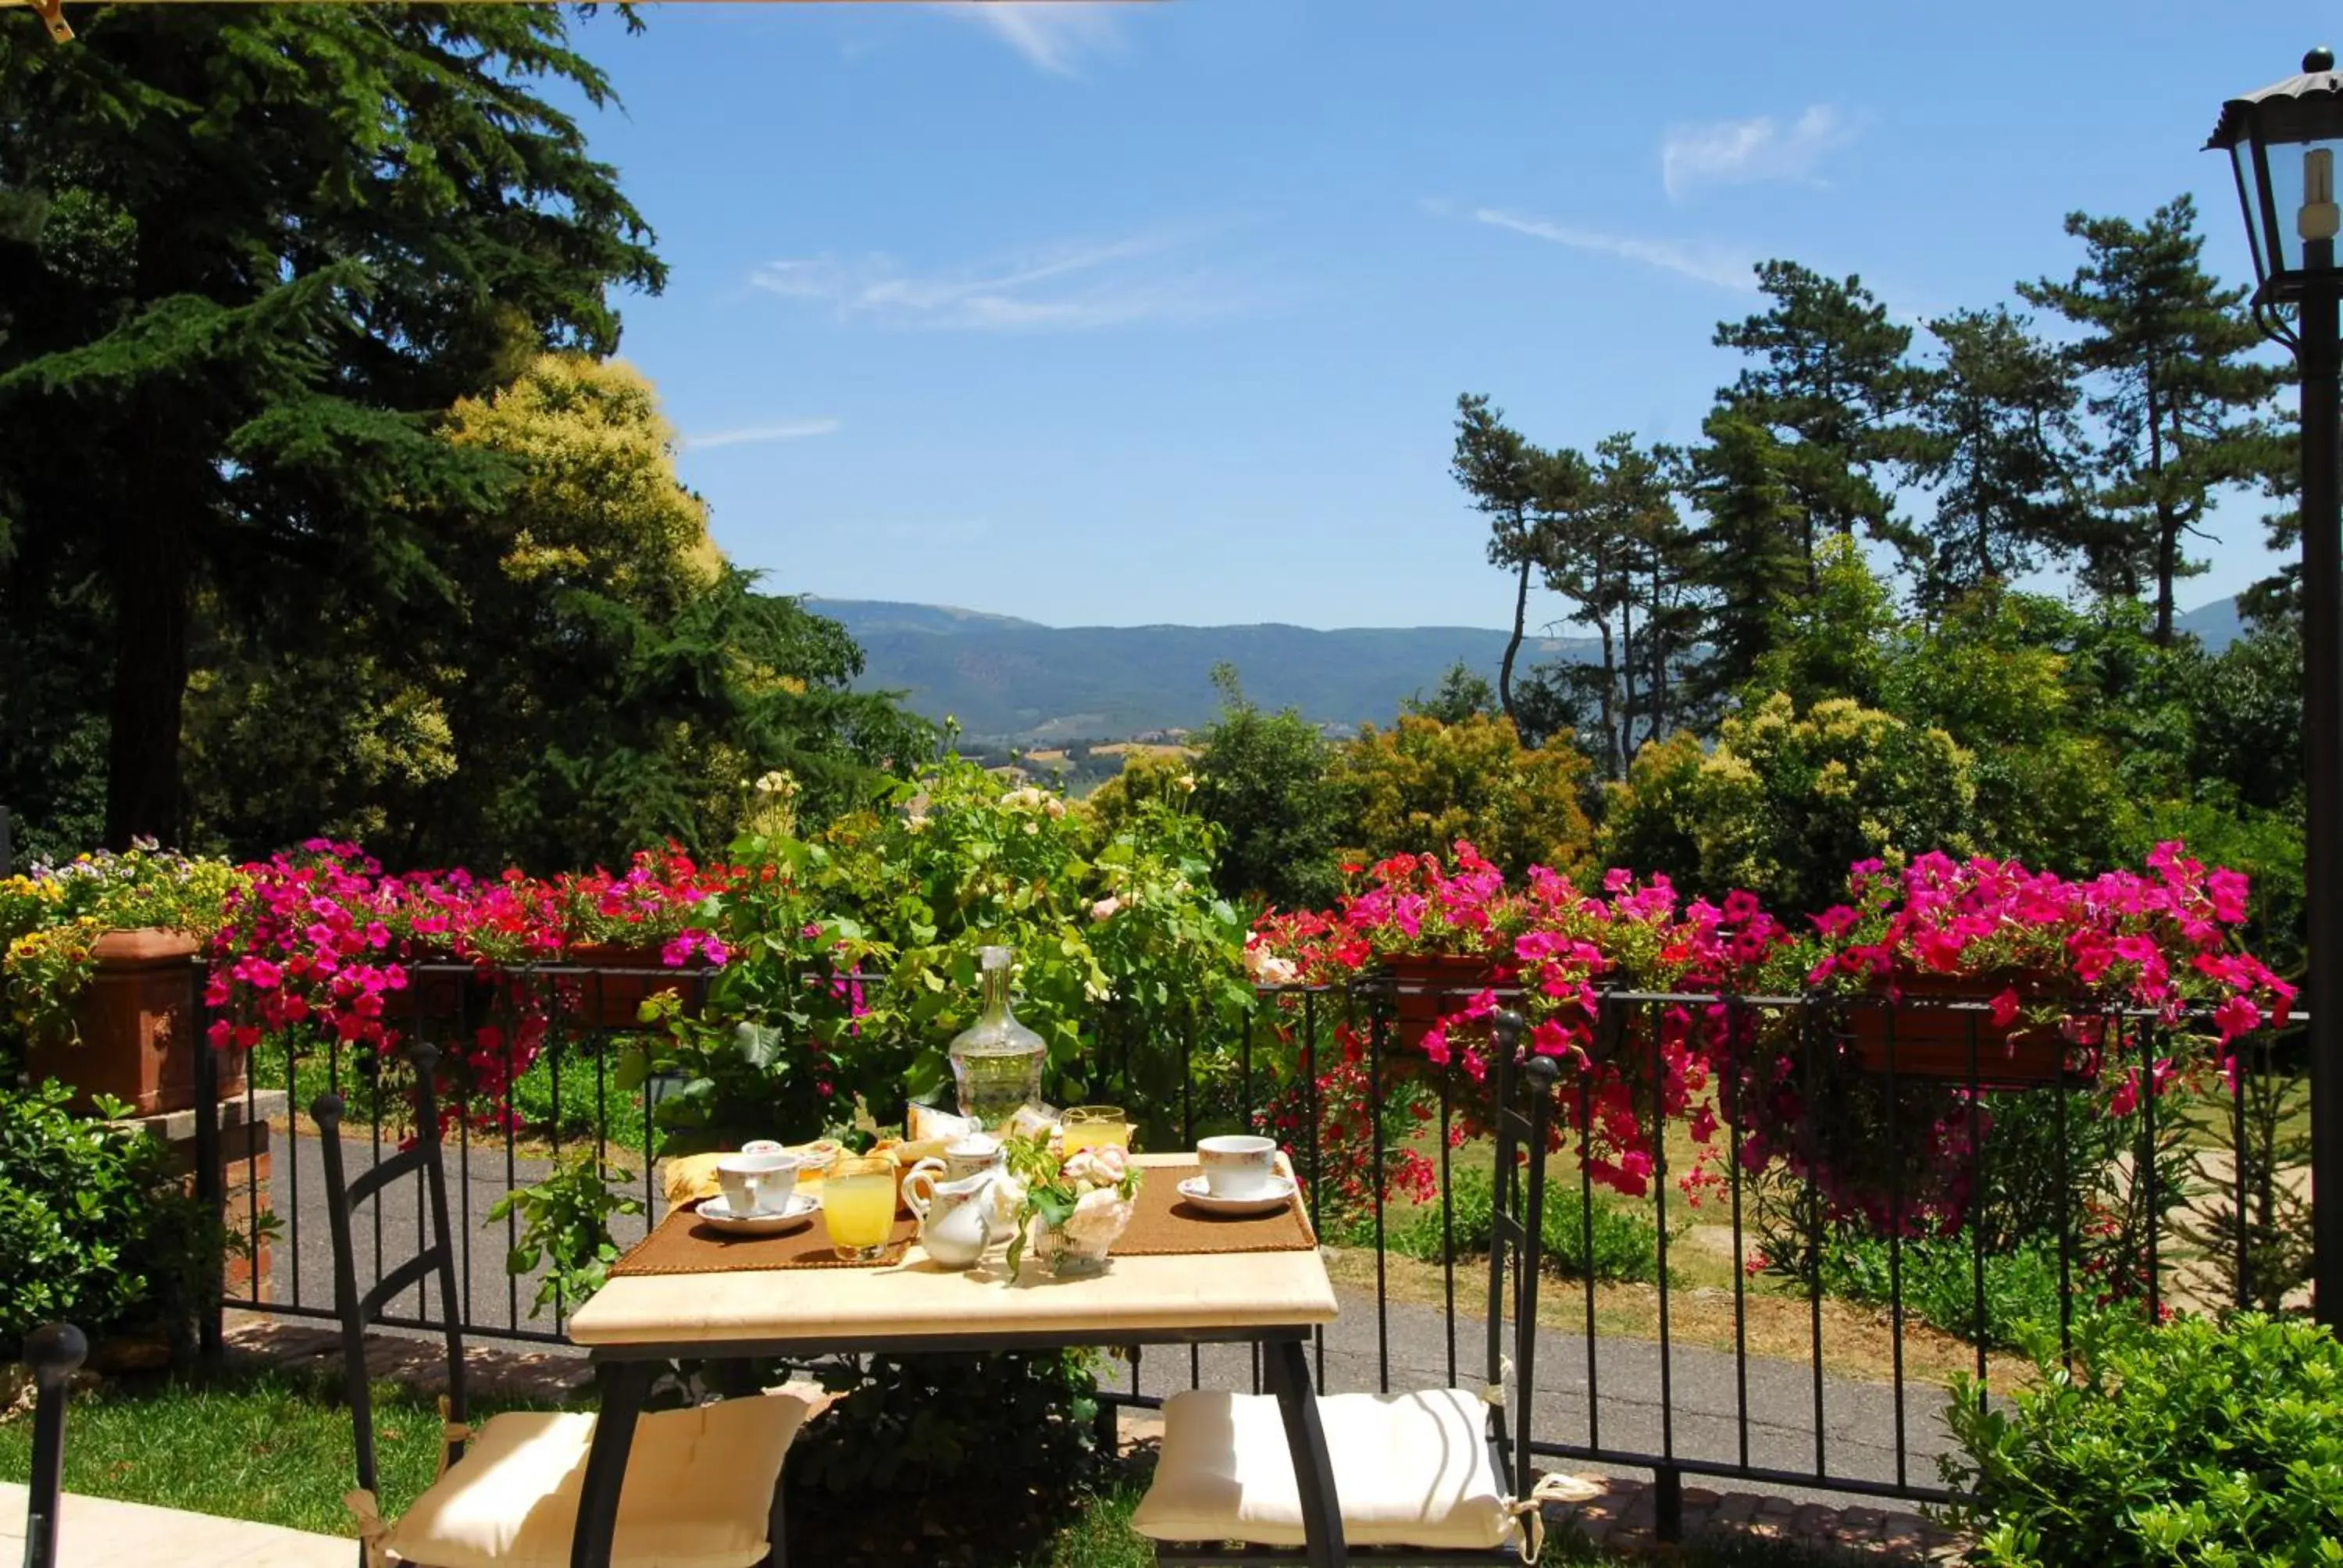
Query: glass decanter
{"type": "Point", "coordinates": [996, 1062]}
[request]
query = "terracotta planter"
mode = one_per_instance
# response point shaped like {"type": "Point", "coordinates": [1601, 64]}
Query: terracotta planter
{"type": "Point", "coordinates": [615, 1000]}
{"type": "Point", "coordinates": [140, 1028]}
{"type": "Point", "coordinates": [1431, 987]}
{"type": "Point", "coordinates": [1932, 1041]}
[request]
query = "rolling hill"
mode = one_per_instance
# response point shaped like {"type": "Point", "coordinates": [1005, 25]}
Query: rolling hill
{"type": "Point", "coordinates": [2217, 625]}
{"type": "Point", "coordinates": [1007, 680]}
{"type": "Point", "coordinates": [1010, 679]}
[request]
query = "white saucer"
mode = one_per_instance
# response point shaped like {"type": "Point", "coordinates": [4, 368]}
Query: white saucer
{"type": "Point", "coordinates": [1278, 1194]}
{"type": "Point", "coordinates": [797, 1212]}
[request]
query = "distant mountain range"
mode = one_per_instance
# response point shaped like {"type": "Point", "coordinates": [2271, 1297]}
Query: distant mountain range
{"type": "Point", "coordinates": [1010, 679]}
{"type": "Point", "coordinates": [1007, 680]}
{"type": "Point", "coordinates": [2217, 625]}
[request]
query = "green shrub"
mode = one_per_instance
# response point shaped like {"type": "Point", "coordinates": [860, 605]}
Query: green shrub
{"type": "Point", "coordinates": [1624, 1246]}
{"type": "Point", "coordinates": [94, 1227]}
{"type": "Point", "coordinates": [2196, 1443]}
{"type": "Point", "coordinates": [1001, 1449]}
{"type": "Point", "coordinates": [1940, 1287]}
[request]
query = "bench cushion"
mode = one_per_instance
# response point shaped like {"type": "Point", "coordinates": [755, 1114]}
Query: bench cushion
{"type": "Point", "coordinates": [1409, 1470]}
{"type": "Point", "coordinates": [698, 1492]}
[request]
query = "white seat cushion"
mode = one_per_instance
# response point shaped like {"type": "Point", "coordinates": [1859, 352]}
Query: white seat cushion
{"type": "Point", "coordinates": [1409, 1470]}
{"type": "Point", "coordinates": [698, 1492]}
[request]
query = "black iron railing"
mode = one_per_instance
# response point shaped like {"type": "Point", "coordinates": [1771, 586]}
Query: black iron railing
{"type": "Point", "coordinates": [1757, 1374]}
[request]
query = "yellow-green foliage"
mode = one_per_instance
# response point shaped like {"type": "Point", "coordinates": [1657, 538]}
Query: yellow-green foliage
{"type": "Point", "coordinates": [597, 498]}
{"type": "Point", "coordinates": [1113, 805]}
{"type": "Point", "coordinates": [1422, 785]}
{"type": "Point", "coordinates": [345, 747]}
{"type": "Point", "coordinates": [1786, 800]}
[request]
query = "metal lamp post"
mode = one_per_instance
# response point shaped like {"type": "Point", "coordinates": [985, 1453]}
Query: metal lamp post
{"type": "Point", "coordinates": [2282, 143]}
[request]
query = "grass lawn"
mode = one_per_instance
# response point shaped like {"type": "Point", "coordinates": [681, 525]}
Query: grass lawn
{"type": "Point", "coordinates": [275, 1448]}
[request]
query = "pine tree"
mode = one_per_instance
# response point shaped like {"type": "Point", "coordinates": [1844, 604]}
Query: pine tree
{"type": "Point", "coordinates": [1831, 382]}
{"type": "Point", "coordinates": [1754, 544]}
{"type": "Point", "coordinates": [249, 254]}
{"type": "Point", "coordinates": [1660, 603]}
{"type": "Point", "coordinates": [2180, 406]}
{"type": "Point", "coordinates": [2000, 449]}
{"type": "Point", "coordinates": [1528, 495]}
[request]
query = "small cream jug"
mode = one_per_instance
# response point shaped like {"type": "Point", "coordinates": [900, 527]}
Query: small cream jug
{"type": "Point", "coordinates": [957, 1201]}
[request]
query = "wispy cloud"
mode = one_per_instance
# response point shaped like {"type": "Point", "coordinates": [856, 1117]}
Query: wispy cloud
{"type": "Point", "coordinates": [1071, 287]}
{"type": "Point", "coordinates": [1710, 263]}
{"type": "Point", "coordinates": [1747, 151]}
{"type": "Point", "coordinates": [1055, 35]}
{"type": "Point", "coordinates": [754, 434]}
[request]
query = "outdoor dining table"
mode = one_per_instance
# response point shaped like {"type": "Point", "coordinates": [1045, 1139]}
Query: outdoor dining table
{"type": "Point", "coordinates": [1274, 1300]}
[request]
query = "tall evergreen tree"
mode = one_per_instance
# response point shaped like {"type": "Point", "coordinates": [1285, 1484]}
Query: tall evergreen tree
{"type": "Point", "coordinates": [1832, 385]}
{"type": "Point", "coordinates": [2000, 447]}
{"type": "Point", "coordinates": [247, 255]}
{"type": "Point", "coordinates": [1754, 545]}
{"type": "Point", "coordinates": [2182, 408]}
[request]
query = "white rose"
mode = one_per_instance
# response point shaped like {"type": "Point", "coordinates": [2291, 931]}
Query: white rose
{"type": "Point", "coordinates": [1054, 806]}
{"type": "Point", "coordinates": [1081, 1167]}
{"type": "Point", "coordinates": [1097, 1219]}
{"type": "Point", "coordinates": [1106, 909]}
{"type": "Point", "coordinates": [1113, 1163]}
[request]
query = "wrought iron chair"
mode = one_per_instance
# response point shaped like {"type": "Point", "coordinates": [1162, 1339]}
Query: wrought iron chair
{"type": "Point", "coordinates": [1433, 1477]}
{"type": "Point", "coordinates": [53, 1353]}
{"type": "Point", "coordinates": [703, 1485]}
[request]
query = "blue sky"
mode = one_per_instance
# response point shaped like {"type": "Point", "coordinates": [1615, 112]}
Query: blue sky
{"type": "Point", "coordinates": [1122, 314]}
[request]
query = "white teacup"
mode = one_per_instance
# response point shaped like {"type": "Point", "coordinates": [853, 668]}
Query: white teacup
{"type": "Point", "coordinates": [1237, 1165]}
{"type": "Point", "coordinates": [758, 1183]}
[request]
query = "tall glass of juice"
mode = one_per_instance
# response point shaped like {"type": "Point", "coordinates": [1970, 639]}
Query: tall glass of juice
{"type": "Point", "coordinates": [1095, 1127]}
{"type": "Point", "coordinates": [858, 1200]}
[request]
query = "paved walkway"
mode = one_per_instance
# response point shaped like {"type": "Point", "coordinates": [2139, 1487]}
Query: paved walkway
{"type": "Point", "coordinates": [99, 1532]}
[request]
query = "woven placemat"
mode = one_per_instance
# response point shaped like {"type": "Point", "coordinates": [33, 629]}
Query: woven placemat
{"type": "Point", "coordinates": [682, 1245]}
{"type": "Point", "coordinates": [1163, 1222]}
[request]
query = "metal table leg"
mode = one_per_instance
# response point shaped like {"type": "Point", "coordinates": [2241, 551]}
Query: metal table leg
{"type": "Point", "coordinates": [1314, 1471]}
{"type": "Point", "coordinates": [624, 1384]}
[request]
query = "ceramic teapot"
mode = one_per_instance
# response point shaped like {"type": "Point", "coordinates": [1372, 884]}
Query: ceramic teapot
{"type": "Point", "coordinates": [960, 1201]}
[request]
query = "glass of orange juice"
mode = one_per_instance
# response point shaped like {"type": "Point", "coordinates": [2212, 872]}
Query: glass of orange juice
{"type": "Point", "coordinates": [858, 1200]}
{"type": "Point", "coordinates": [1095, 1127]}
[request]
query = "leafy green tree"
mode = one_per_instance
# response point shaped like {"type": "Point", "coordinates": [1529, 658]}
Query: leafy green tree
{"type": "Point", "coordinates": [1560, 699]}
{"type": "Point", "coordinates": [1836, 642]}
{"type": "Point", "coordinates": [1463, 693]}
{"type": "Point", "coordinates": [1264, 781]}
{"type": "Point", "coordinates": [1424, 783]}
{"type": "Point", "coordinates": [2000, 449]}
{"type": "Point", "coordinates": [590, 677]}
{"type": "Point", "coordinates": [246, 257]}
{"type": "Point", "coordinates": [1785, 800]}
{"type": "Point", "coordinates": [2181, 406]}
